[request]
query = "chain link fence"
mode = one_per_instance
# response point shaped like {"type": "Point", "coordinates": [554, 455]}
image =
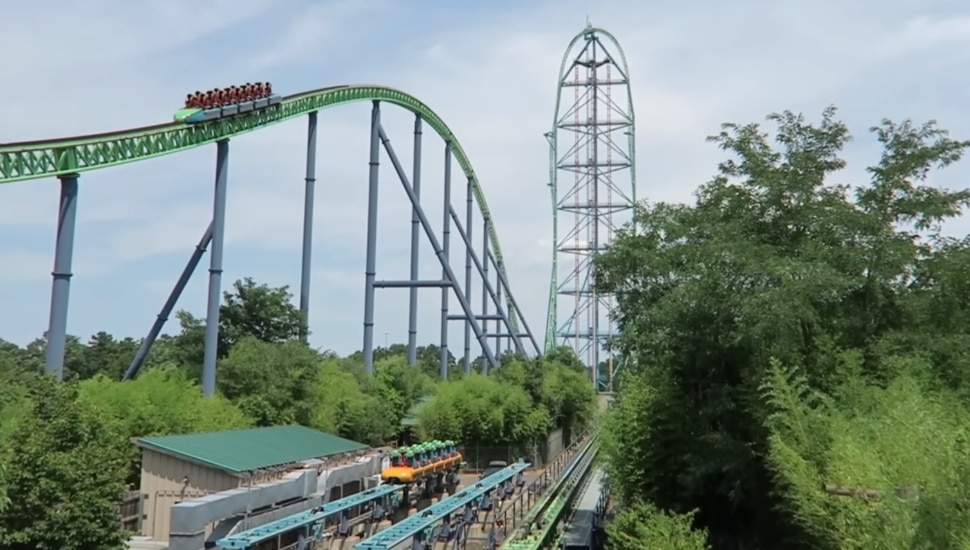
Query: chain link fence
{"type": "Point", "coordinates": [477, 455]}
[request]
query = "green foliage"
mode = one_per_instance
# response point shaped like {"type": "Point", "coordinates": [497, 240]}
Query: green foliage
{"type": "Point", "coordinates": [104, 355]}
{"type": "Point", "coordinates": [343, 407]}
{"type": "Point", "coordinates": [4, 499]}
{"type": "Point", "coordinates": [558, 384]}
{"type": "Point", "coordinates": [428, 358]}
{"type": "Point", "coordinates": [261, 312]}
{"type": "Point", "coordinates": [644, 527]}
{"type": "Point", "coordinates": [65, 450]}
{"type": "Point", "coordinates": [567, 393]}
{"type": "Point", "coordinates": [161, 401]}
{"type": "Point", "coordinates": [565, 356]}
{"type": "Point", "coordinates": [481, 408]}
{"type": "Point", "coordinates": [270, 381]}
{"type": "Point", "coordinates": [400, 387]}
{"type": "Point", "coordinates": [628, 445]}
{"type": "Point", "coordinates": [251, 310]}
{"type": "Point", "coordinates": [774, 262]}
{"type": "Point", "coordinates": [66, 475]}
{"type": "Point", "coordinates": [906, 442]}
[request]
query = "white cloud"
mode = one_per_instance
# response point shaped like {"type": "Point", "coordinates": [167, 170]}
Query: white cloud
{"type": "Point", "coordinates": [490, 73]}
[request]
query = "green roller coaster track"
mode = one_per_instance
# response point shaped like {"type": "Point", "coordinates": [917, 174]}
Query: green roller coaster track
{"type": "Point", "coordinates": [55, 157]}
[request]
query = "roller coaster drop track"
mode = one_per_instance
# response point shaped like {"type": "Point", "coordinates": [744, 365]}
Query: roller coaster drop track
{"type": "Point", "coordinates": [592, 178]}
{"type": "Point", "coordinates": [67, 157]}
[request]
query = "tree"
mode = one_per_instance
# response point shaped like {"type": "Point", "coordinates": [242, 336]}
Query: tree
{"type": "Point", "coordinates": [557, 383]}
{"type": "Point", "coordinates": [525, 374]}
{"type": "Point", "coordinates": [250, 310]}
{"type": "Point", "coordinates": [772, 261]}
{"type": "Point", "coordinates": [428, 358]}
{"type": "Point", "coordinates": [400, 387]}
{"type": "Point", "coordinates": [270, 381]}
{"type": "Point", "coordinates": [342, 407]}
{"type": "Point", "coordinates": [644, 527]}
{"type": "Point", "coordinates": [66, 475]}
{"type": "Point", "coordinates": [567, 393]}
{"type": "Point", "coordinates": [66, 456]}
{"type": "Point", "coordinates": [32, 357]}
{"type": "Point", "coordinates": [161, 401]}
{"type": "Point", "coordinates": [630, 444]}
{"type": "Point", "coordinates": [4, 499]}
{"type": "Point", "coordinates": [482, 409]}
{"type": "Point", "coordinates": [566, 356]}
{"type": "Point", "coordinates": [105, 355]}
{"type": "Point", "coordinates": [261, 312]}
{"type": "Point", "coordinates": [903, 444]}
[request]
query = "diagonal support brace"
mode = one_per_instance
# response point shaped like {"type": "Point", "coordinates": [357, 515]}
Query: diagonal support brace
{"type": "Point", "coordinates": [488, 285]}
{"type": "Point", "coordinates": [438, 250]}
{"type": "Point", "coordinates": [511, 298]}
{"type": "Point", "coordinates": [169, 305]}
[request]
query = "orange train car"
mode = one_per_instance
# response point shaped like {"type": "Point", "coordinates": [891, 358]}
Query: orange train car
{"type": "Point", "coordinates": [410, 464]}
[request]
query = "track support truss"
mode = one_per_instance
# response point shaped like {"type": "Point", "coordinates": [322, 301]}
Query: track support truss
{"type": "Point", "coordinates": [593, 182]}
{"type": "Point", "coordinates": [497, 302]}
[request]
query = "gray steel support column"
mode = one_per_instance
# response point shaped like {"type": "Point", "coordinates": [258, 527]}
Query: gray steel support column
{"type": "Point", "coordinates": [502, 281]}
{"type": "Point", "coordinates": [169, 305]}
{"type": "Point", "coordinates": [61, 284]}
{"type": "Point", "coordinates": [438, 250]}
{"type": "Point", "coordinates": [415, 228]}
{"type": "Point", "coordinates": [215, 269]}
{"type": "Point", "coordinates": [469, 200]}
{"type": "Point", "coordinates": [485, 227]}
{"type": "Point", "coordinates": [434, 283]}
{"type": "Point", "coordinates": [370, 272]}
{"type": "Point", "coordinates": [310, 182]}
{"type": "Point", "coordinates": [445, 244]}
{"type": "Point", "coordinates": [501, 313]}
{"type": "Point", "coordinates": [498, 300]}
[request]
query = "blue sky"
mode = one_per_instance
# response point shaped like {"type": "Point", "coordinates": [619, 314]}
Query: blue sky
{"type": "Point", "coordinates": [488, 68]}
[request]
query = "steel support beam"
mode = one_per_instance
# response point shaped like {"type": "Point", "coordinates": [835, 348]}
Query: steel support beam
{"type": "Point", "coordinates": [485, 231]}
{"type": "Point", "coordinates": [469, 201]}
{"type": "Point", "coordinates": [414, 284]}
{"type": "Point", "coordinates": [61, 275]}
{"type": "Point", "coordinates": [308, 199]}
{"type": "Point", "coordinates": [466, 238]}
{"type": "Point", "coordinates": [438, 250]}
{"type": "Point", "coordinates": [446, 245]}
{"type": "Point", "coordinates": [215, 269]}
{"type": "Point", "coordinates": [498, 300]}
{"type": "Point", "coordinates": [169, 305]}
{"type": "Point", "coordinates": [415, 229]}
{"type": "Point", "coordinates": [370, 271]}
{"type": "Point", "coordinates": [479, 317]}
{"type": "Point", "coordinates": [515, 304]}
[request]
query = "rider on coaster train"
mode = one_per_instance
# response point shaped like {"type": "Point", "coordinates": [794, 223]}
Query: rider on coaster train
{"type": "Point", "coordinates": [228, 96]}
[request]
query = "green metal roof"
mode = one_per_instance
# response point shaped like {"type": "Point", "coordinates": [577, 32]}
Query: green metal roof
{"type": "Point", "coordinates": [238, 451]}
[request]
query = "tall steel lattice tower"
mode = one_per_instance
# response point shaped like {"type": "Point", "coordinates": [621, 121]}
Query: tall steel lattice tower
{"type": "Point", "coordinates": [592, 175]}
